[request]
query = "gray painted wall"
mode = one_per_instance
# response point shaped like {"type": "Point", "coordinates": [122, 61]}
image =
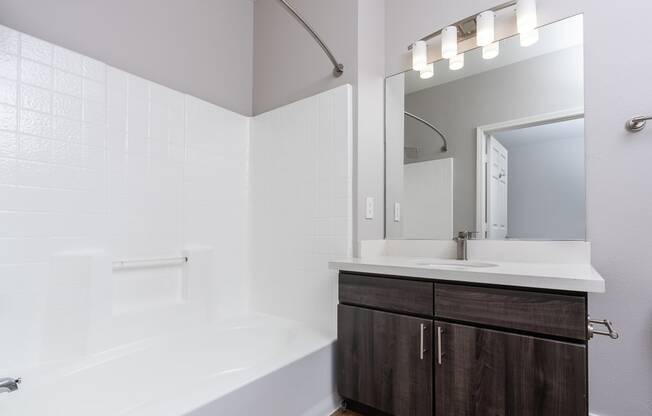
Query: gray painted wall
{"type": "Point", "coordinates": [618, 175]}
{"type": "Point", "coordinates": [545, 190]}
{"type": "Point", "coordinates": [203, 48]}
{"type": "Point", "coordinates": [289, 65]}
{"type": "Point", "coordinates": [539, 85]}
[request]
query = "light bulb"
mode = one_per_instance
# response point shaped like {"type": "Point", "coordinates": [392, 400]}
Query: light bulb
{"type": "Point", "coordinates": [427, 72]}
{"type": "Point", "coordinates": [526, 15]}
{"type": "Point", "coordinates": [419, 55]}
{"type": "Point", "coordinates": [456, 62]}
{"type": "Point", "coordinates": [485, 28]}
{"type": "Point", "coordinates": [449, 42]}
{"type": "Point", "coordinates": [529, 38]}
{"type": "Point", "coordinates": [490, 51]}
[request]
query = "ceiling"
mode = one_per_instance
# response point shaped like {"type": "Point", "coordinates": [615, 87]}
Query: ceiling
{"type": "Point", "coordinates": [568, 129]}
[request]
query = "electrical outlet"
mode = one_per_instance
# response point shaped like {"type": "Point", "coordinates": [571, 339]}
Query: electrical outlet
{"type": "Point", "coordinates": [369, 211]}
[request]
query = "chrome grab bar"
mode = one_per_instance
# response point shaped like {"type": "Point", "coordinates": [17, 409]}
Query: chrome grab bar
{"type": "Point", "coordinates": [610, 332]}
{"type": "Point", "coordinates": [142, 263]}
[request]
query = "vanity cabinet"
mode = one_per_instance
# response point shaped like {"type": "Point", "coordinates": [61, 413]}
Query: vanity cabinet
{"type": "Point", "coordinates": [484, 372]}
{"type": "Point", "coordinates": [385, 360]}
{"type": "Point", "coordinates": [413, 347]}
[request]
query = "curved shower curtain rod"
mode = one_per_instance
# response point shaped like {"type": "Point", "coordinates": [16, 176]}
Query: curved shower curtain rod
{"type": "Point", "coordinates": [444, 148]}
{"type": "Point", "coordinates": [338, 68]}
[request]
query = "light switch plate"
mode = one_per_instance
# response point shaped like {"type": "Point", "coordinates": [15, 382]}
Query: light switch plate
{"type": "Point", "coordinates": [369, 211]}
{"type": "Point", "coordinates": [397, 211]}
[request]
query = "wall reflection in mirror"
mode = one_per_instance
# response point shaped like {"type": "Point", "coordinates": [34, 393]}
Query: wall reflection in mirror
{"type": "Point", "coordinates": [496, 146]}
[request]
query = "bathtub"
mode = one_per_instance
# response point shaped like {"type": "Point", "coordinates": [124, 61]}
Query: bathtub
{"type": "Point", "coordinates": [252, 365]}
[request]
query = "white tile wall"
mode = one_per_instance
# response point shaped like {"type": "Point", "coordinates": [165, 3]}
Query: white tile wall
{"type": "Point", "coordinates": [301, 187]}
{"type": "Point", "coordinates": [97, 164]}
{"type": "Point", "coordinates": [95, 158]}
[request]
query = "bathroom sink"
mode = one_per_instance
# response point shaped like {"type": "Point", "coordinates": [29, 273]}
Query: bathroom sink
{"type": "Point", "coordinates": [456, 263]}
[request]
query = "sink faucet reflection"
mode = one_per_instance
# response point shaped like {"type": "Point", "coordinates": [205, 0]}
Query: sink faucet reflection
{"type": "Point", "coordinates": [462, 247]}
{"type": "Point", "coordinates": [8, 385]}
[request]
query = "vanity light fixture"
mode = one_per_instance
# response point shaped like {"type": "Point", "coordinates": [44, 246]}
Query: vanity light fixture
{"type": "Point", "coordinates": [419, 55]}
{"type": "Point", "coordinates": [456, 62]}
{"type": "Point", "coordinates": [490, 51]}
{"type": "Point", "coordinates": [529, 38]}
{"type": "Point", "coordinates": [449, 42]}
{"type": "Point", "coordinates": [427, 72]}
{"type": "Point", "coordinates": [526, 21]}
{"type": "Point", "coordinates": [480, 26]}
{"type": "Point", "coordinates": [485, 28]}
{"type": "Point", "coordinates": [526, 15]}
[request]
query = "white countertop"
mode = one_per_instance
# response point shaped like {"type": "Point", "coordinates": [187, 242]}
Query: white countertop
{"type": "Point", "coordinates": [572, 277]}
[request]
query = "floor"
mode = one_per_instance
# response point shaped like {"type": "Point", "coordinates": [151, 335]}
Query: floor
{"type": "Point", "coordinates": [345, 413]}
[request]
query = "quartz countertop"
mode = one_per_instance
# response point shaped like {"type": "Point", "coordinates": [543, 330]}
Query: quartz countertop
{"type": "Point", "coordinates": [570, 277]}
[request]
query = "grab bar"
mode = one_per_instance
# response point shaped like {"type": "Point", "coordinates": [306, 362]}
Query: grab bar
{"type": "Point", "coordinates": [142, 263]}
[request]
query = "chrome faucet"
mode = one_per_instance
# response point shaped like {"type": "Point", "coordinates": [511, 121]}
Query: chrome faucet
{"type": "Point", "coordinates": [8, 385]}
{"type": "Point", "coordinates": [462, 247]}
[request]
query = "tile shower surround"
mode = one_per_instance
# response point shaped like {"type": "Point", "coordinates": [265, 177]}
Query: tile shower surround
{"type": "Point", "coordinates": [93, 159]}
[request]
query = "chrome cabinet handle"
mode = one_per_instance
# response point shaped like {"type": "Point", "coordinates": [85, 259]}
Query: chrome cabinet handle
{"type": "Point", "coordinates": [440, 354]}
{"type": "Point", "coordinates": [422, 331]}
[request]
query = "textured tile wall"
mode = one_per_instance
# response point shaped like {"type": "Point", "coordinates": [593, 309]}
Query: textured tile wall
{"type": "Point", "coordinates": [301, 199]}
{"type": "Point", "coordinates": [93, 158]}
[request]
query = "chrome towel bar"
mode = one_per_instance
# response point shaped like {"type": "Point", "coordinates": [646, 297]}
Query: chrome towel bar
{"type": "Point", "coordinates": [636, 124]}
{"type": "Point", "coordinates": [142, 263]}
{"type": "Point", "coordinates": [610, 332]}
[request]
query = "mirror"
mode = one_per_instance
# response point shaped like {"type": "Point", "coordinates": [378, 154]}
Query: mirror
{"type": "Point", "coordinates": [495, 147]}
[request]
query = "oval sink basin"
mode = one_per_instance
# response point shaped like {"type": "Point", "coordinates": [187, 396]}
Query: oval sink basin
{"type": "Point", "coordinates": [456, 263]}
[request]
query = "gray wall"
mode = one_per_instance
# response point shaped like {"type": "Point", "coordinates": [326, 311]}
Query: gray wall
{"type": "Point", "coordinates": [539, 85]}
{"type": "Point", "coordinates": [617, 66]}
{"type": "Point", "coordinates": [289, 65]}
{"type": "Point", "coordinates": [545, 191]}
{"type": "Point", "coordinates": [203, 48]}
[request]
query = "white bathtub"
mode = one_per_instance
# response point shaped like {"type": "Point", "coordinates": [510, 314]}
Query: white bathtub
{"type": "Point", "coordinates": [247, 366]}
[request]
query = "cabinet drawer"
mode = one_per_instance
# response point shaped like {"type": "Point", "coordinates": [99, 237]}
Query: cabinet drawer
{"type": "Point", "coordinates": [397, 295]}
{"type": "Point", "coordinates": [538, 312]}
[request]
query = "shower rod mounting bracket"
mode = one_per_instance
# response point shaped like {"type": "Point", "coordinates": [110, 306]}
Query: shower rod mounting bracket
{"type": "Point", "coordinates": [338, 68]}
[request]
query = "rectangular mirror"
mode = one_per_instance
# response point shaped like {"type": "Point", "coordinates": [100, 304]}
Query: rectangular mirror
{"type": "Point", "coordinates": [496, 146]}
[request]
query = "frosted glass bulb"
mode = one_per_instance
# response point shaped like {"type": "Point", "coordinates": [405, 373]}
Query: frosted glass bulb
{"type": "Point", "coordinates": [529, 38]}
{"type": "Point", "coordinates": [490, 51]}
{"type": "Point", "coordinates": [419, 55]}
{"type": "Point", "coordinates": [456, 62]}
{"type": "Point", "coordinates": [427, 72]}
{"type": "Point", "coordinates": [449, 42]}
{"type": "Point", "coordinates": [526, 15]}
{"type": "Point", "coordinates": [485, 28]}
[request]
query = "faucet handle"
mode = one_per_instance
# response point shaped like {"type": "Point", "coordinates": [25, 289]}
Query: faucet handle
{"type": "Point", "coordinates": [471, 234]}
{"type": "Point", "coordinates": [466, 235]}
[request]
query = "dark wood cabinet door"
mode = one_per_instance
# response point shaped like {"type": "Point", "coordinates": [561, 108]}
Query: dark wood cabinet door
{"type": "Point", "coordinates": [385, 360]}
{"type": "Point", "coordinates": [493, 373]}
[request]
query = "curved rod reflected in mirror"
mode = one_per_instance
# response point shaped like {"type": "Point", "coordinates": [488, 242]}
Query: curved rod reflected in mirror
{"type": "Point", "coordinates": [444, 148]}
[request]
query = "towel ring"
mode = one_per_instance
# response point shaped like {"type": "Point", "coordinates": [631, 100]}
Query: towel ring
{"type": "Point", "coordinates": [636, 124]}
